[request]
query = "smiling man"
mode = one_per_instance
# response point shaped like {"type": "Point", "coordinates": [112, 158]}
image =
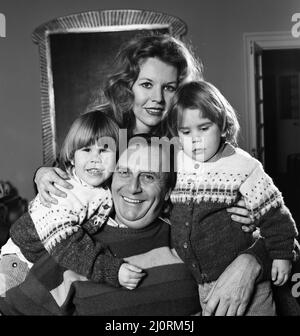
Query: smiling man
{"type": "Point", "coordinates": [140, 187]}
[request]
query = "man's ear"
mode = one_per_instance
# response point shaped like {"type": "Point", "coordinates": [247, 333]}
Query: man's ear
{"type": "Point", "coordinates": [168, 194]}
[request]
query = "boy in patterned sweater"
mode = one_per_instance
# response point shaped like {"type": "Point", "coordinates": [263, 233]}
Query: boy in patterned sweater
{"type": "Point", "coordinates": [213, 174]}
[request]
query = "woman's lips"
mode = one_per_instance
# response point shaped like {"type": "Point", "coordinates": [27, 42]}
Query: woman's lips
{"type": "Point", "coordinates": [154, 111]}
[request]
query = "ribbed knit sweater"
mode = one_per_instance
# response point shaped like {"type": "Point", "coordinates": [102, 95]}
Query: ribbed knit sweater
{"type": "Point", "coordinates": [204, 235]}
{"type": "Point", "coordinates": [167, 289]}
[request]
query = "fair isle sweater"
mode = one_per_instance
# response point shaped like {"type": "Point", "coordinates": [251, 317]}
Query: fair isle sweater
{"type": "Point", "coordinates": [167, 289]}
{"type": "Point", "coordinates": [204, 235]}
{"type": "Point", "coordinates": [65, 230]}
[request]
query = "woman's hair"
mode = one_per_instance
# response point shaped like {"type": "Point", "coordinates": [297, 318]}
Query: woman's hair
{"type": "Point", "coordinates": [210, 102]}
{"type": "Point", "coordinates": [118, 88]}
{"type": "Point", "coordinates": [85, 131]}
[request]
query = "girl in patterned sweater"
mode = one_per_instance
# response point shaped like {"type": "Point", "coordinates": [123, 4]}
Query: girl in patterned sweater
{"type": "Point", "coordinates": [88, 155]}
{"type": "Point", "coordinates": [213, 174]}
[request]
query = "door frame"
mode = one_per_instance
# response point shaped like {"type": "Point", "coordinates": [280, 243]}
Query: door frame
{"type": "Point", "coordinates": [266, 41]}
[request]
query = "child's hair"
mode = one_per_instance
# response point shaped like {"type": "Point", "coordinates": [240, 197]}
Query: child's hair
{"type": "Point", "coordinates": [212, 104]}
{"type": "Point", "coordinates": [85, 131]}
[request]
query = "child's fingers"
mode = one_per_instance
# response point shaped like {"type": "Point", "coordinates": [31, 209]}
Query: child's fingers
{"type": "Point", "coordinates": [133, 268]}
{"type": "Point", "coordinates": [285, 279]}
{"type": "Point", "coordinates": [135, 276]}
{"type": "Point", "coordinates": [280, 279]}
{"type": "Point", "coordinates": [130, 287]}
{"type": "Point", "coordinates": [274, 273]}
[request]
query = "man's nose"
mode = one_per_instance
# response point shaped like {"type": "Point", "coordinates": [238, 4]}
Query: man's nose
{"type": "Point", "coordinates": [134, 185]}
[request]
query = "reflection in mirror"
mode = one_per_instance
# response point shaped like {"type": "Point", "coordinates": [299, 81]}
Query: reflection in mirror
{"type": "Point", "coordinates": [76, 53]}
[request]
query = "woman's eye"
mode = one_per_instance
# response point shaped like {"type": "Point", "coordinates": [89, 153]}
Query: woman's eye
{"type": "Point", "coordinates": [146, 85]}
{"type": "Point", "coordinates": [86, 149]}
{"type": "Point", "coordinates": [204, 128]}
{"type": "Point", "coordinates": [185, 132]}
{"type": "Point", "coordinates": [170, 88]}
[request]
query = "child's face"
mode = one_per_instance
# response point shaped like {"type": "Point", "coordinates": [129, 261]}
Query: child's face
{"type": "Point", "coordinates": [200, 137]}
{"type": "Point", "coordinates": [94, 164]}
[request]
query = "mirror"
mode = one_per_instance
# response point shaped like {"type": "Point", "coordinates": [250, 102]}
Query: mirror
{"type": "Point", "coordinates": [75, 55]}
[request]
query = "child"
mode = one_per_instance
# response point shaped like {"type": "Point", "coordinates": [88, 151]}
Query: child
{"type": "Point", "coordinates": [213, 175]}
{"type": "Point", "coordinates": [88, 155]}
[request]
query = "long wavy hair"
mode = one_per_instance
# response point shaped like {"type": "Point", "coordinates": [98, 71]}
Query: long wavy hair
{"type": "Point", "coordinates": [210, 102]}
{"type": "Point", "coordinates": [118, 88]}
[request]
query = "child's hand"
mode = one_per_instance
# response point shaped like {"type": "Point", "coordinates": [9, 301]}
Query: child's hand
{"type": "Point", "coordinates": [281, 270]}
{"type": "Point", "coordinates": [130, 275]}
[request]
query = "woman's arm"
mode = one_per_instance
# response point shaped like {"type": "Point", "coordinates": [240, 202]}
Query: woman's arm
{"type": "Point", "coordinates": [45, 177]}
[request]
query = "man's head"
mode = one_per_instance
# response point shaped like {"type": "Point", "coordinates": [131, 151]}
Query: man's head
{"type": "Point", "coordinates": [141, 185]}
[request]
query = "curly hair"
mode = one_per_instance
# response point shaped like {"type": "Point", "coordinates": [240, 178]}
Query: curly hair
{"type": "Point", "coordinates": [118, 88]}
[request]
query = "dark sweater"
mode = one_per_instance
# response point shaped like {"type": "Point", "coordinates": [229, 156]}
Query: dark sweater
{"type": "Point", "coordinates": [168, 288]}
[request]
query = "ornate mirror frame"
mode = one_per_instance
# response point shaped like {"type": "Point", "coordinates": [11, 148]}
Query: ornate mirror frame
{"type": "Point", "coordinates": [122, 20]}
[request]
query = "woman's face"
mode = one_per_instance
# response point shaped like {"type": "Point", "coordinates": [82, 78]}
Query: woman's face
{"type": "Point", "coordinates": [153, 90]}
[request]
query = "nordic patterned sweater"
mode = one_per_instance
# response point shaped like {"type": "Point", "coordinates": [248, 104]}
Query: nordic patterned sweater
{"type": "Point", "coordinates": [65, 230]}
{"type": "Point", "coordinates": [203, 233]}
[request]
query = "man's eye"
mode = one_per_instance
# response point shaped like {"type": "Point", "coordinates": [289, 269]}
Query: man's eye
{"type": "Point", "coordinates": [148, 178]}
{"type": "Point", "coordinates": [146, 85]}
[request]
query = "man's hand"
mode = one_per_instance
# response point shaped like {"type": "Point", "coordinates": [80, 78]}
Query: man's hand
{"type": "Point", "coordinates": [232, 291]}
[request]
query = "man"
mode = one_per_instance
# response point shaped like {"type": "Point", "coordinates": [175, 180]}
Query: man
{"type": "Point", "coordinates": [138, 234]}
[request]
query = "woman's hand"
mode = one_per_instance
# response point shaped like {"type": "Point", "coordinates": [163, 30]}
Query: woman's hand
{"type": "Point", "coordinates": [232, 291]}
{"type": "Point", "coordinates": [240, 214]}
{"type": "Point", "coordinates": [45, 178]}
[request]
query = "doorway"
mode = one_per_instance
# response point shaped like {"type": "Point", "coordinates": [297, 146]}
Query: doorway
{"type": "Point", "coordinates": [273, 109]}
{"type": "Point", "coordinates": [281, 97]}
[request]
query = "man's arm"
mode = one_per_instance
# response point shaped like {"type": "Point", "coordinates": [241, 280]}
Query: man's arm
{"type": "Point", "coordinates": [233, 289]}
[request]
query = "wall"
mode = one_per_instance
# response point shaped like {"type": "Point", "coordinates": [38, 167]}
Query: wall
{"type": "Point", "coordinates": [216, 30]}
